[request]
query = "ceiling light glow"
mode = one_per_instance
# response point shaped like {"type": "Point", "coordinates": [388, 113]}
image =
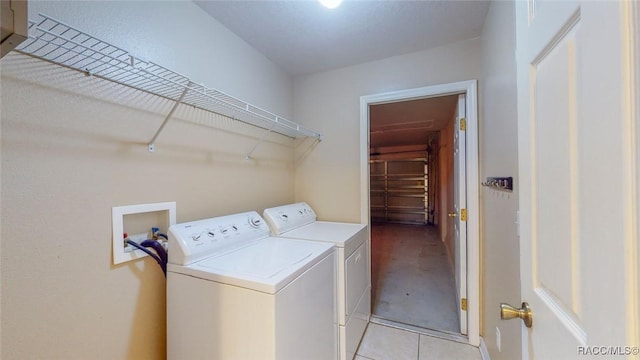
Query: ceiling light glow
{"type": "Point", "coordinates": [331, 4]}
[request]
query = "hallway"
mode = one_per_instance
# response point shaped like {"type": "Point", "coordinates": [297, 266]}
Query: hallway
{"type": "Point", "coordinates": [412, 282]}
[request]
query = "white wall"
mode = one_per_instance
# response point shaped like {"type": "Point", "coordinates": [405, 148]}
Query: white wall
{"type": "Point", "coordinates": [180, 36]}
{"type": "Point", "coordinates": [328, 177]}
{"type": "Point", "coordinates": [74, 146]}
{"type": "Point", "coordinates": [499, 157]}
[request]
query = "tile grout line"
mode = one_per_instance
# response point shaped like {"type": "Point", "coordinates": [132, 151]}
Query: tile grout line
{"type": "Point", "coordinates": [364, 357]}
{"type": "Point", "coordinates": [439, 343]}
{"type": "Point", "coordinates": [418, 330]}
{"type": "Point", "coordinates": [418, 346]}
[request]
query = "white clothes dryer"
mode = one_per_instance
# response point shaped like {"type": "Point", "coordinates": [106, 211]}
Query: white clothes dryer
{"type": "Point", "coordinates": [354, 285]}
{"type": "Point", "coordinates": [234, 292]}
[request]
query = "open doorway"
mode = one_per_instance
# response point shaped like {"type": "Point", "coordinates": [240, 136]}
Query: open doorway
{"type": "Point", "coordinates": [411, 184]}
{"type": "Point", "coordinates": [466, 194]}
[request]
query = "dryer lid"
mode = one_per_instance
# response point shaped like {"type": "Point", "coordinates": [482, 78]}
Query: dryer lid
{"type": "Point", "coordinates": [336, 232]}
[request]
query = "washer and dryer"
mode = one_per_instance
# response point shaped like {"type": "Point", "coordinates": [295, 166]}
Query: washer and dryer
{"type": "Point", "coordinates": [354, 287]}
{"type": "Point", "coordinates": [234, 292]}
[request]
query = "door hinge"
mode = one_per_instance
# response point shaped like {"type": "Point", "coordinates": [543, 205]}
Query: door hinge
{"type": "Point", "coordinates": [463, 304]}
{"type": "Point", "coordinates": [463, 214]}
{"type": "Point", "coordinates": [463, 124]}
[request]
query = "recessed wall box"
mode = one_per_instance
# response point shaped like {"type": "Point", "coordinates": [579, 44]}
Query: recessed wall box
{"type": "Point", "coordinates": [141, 218]}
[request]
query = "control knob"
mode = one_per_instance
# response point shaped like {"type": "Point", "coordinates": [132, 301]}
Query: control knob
{"type": "Point", "coordinates": [255, 222]}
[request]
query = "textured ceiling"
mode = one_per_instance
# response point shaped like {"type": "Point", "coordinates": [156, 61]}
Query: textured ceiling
{"type": "Point", "coordinates": [302, 36]}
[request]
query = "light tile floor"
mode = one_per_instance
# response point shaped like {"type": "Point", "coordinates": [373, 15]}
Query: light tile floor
{"type": "Point", "coordinates": [383, 342]}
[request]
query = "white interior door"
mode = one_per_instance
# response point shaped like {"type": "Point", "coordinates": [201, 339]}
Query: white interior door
{"type": "Point", "coordinates": [575, 160]}
{"type": "Point", "coordinates": [460, 210]}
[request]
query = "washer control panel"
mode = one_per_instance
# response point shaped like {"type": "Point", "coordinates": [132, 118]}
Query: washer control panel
{"type": "Point", "coordinates": [288, 217]}
{"type": "Point", "coordinates": [193, 241]}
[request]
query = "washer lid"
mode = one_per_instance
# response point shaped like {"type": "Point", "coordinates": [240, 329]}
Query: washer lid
{"type": "Point", "coordinates": [265, 265]}
{"type": "Point", "coordinates": [334, 232]}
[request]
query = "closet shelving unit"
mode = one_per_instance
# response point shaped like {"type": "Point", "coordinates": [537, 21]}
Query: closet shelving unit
{"type": "Point", "coordinates": [59, 43]}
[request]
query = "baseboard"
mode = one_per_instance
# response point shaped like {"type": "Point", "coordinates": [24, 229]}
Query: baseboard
{"type": "Point", "coordinates": [484, 352]}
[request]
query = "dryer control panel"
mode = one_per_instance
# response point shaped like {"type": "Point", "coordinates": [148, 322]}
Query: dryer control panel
{"type": "Point", "coordinates": [193, 241]}
{"type": "Point", "coordinates": [288, 217]}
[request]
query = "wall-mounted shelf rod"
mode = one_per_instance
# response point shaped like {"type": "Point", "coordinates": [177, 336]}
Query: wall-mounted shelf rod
{"type": "Point", "coordinates": [59, 43]}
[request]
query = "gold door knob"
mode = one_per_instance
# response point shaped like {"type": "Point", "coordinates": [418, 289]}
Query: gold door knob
{"type": "Point", "coordinates": [453, 214]}
{"type": "Point", "coordinates": [509, 312]}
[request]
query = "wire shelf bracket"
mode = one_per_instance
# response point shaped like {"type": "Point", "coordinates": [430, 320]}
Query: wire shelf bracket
{"type": "Point", "coordinates": [152, 146]}
{"type": "Point", "coordinates": [59, 43]}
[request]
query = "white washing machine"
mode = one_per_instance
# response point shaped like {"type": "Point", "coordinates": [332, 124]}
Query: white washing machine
{"type": "Point", "coordinates": [234, 292]}
{"type": "Point", "coordinates": [354, 286]}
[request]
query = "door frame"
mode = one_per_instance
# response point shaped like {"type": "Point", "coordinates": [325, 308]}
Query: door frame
{"type": "Point", "coordinates": [633, 91]}
{"type": "Point", "coordinates": [469, 88]}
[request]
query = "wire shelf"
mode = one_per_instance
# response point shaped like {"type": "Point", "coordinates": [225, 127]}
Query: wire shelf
{"type": "Point", "coordinates": [57, 42]}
